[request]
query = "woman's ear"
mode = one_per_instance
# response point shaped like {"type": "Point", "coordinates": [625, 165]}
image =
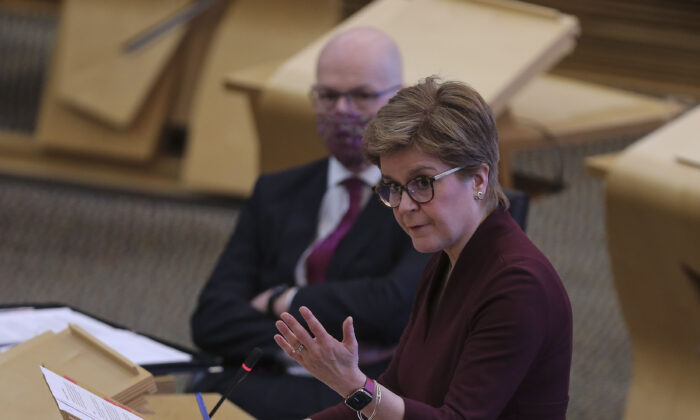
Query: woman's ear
{"type": "Point", "coordinates": [481, 180]}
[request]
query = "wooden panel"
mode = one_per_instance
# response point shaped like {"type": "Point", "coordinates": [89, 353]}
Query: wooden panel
{"type": "Point", "coordinates": [31, 6]}
{"type": "Point", "coordinates": [653, 230]}
{"type": "Point", "coordinates": [648, 45]}
{"type": "Point", "coordinates": [598, 166]}
{"type": "Point", "coordinates": [189, 63]}
{"type": "Point", "coordinates": [495, 46]}
{"type": "Point", "coordinates": [21, 156]}
{"type": "Point", "coordinates": [63, 128]}
{"type": "Point", "coordinates": [96, 75]}
{"type": "Point", "coordinates": [563, 110]}
{"type": "Point", "coordinates": [568, 107]}
{"type": "Point", "coordinates": [222, 153]}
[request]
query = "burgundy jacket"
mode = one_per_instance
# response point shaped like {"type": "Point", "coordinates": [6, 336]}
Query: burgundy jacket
{"type": "Point", "coordinates": [498, 344]}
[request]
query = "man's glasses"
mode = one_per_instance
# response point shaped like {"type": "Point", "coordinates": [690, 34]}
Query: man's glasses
{"type": "Point", "coordinates": [361, 98]}
{"type": "Point", "coordinates": [420, 189]}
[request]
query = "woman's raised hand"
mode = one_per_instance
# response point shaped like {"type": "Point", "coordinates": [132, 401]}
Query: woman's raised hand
{"type": "Point", "coordinates": [333, 362]}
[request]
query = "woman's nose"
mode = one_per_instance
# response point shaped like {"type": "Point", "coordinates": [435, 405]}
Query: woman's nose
{"type": "Point", "coordinates": [407, 203]}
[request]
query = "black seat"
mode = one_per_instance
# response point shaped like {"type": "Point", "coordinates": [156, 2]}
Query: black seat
{"type": "Point", "coordinates": [519, 206]}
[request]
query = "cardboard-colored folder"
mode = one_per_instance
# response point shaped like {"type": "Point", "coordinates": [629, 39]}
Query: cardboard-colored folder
{"type": "Point", "coordinates": [73, 352]}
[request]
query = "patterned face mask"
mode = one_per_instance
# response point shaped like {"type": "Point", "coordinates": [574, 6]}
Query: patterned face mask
{"type": "Point", "coordinates": [342, 134]}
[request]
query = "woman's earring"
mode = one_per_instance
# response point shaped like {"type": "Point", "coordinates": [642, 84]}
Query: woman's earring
{"type": "Point", "coordinates": [479, 196]}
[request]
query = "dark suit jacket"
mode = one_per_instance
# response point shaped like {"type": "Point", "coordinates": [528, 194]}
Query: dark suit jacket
{"type": "Point", "coordinates": [372, 276]}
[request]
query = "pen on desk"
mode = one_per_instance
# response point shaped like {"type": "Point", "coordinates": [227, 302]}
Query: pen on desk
{"type": "Point", "coordinates": [202, 406]}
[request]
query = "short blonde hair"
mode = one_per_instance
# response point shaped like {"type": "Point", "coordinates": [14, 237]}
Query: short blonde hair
{"type": "Point", "coordinates": [448, 120]}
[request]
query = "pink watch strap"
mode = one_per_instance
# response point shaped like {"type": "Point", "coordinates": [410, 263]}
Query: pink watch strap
{"type": "Point", "coordinates": [369, 385]}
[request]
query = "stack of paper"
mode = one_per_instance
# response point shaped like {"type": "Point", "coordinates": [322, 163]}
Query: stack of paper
{"type": "Point", "coordinates": [20, 324]}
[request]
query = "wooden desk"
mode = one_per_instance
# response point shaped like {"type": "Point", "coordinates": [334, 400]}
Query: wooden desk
{"type": "Point", "coordinates": [653, 226]}
{"type": "Point", "coordinates": [101, 129]}
{"type": "Point", "coordinates": [574, 111]}
{"type": "Point", "coordinates": [598, 166]}
{"type": "Point", "coordinates": [184, 407]}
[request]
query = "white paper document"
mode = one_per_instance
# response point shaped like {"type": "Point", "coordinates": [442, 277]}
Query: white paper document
{"type": "Point", "coordinates": [21, 324]}
{"type": "Point", "coordinates": [81, 403]}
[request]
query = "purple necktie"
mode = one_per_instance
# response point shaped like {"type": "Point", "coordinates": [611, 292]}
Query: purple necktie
{"type": "Point", "coordinates": [320, 256]}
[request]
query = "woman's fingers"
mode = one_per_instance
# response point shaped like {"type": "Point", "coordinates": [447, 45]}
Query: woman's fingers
{"type": "Point", "coordinates": [287, 340]}
{"type": "Point", "coordinates": [321, 354]}
{"type": "Point", "coordinates": [349, 339]}
{"type": "Point", "coordinates": [314, 324]}
{"type": "Point", "coordinates": [283, 343]}
{"type": "Point", "coordinates": [294, 336]}
{"type": "Point", "coordinates": [285, 331]}
{"type": "Point", "coordinates": [296, 329]}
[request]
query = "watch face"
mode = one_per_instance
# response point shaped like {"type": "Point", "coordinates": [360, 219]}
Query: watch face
{"type": "Point", "coordinates": [359, 399]}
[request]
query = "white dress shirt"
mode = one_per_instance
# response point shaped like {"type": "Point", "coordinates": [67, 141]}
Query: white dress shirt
{"type": "Point", "coordinates": [334, 205]}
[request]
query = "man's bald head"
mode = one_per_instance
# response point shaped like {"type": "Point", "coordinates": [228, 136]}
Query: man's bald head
{"type": "Point", "coordinates": [362, 56]}
{"type": "Point", "coordinates": [357, 72]}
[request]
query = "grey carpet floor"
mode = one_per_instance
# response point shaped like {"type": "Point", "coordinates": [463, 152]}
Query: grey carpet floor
{"type": "Point", "coordinates": [140, 261]}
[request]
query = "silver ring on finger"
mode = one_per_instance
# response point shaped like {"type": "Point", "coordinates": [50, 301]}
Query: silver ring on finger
{"type": "Point", "coordinates": [298, 349]}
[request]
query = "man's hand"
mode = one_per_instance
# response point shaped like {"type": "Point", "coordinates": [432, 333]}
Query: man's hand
{"type": "Point", "coordinates": [281, 303]}
{"type": "Point", "coordinates": [259, 302]}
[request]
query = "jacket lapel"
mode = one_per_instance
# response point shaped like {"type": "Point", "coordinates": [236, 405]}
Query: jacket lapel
{"type": "Point", "coordinates": [369, 228]}
{"type": "Point", "coordinates": [302, 214]}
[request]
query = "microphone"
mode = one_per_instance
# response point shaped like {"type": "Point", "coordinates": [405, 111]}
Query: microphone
{"type": "Point", "coordinates": [246, 367]}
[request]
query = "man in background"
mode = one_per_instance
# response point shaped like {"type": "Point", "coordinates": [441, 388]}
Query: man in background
{"type": "Point", "coordinates": [315, 236]}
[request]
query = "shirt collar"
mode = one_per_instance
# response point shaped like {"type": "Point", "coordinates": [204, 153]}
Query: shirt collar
{"type": "Point", "coordinates": [338, 173]}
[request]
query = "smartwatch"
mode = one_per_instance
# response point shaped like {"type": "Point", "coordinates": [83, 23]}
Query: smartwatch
{"type": "Point", "coordinates": [361, 397]}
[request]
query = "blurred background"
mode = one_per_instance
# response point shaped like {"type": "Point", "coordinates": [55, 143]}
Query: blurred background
{"type": "Point", "coordinates": [121, 174]}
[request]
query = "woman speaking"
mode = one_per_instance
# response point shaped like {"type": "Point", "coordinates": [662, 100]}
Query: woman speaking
{"type": "Point", "coordinates": [490, 333]}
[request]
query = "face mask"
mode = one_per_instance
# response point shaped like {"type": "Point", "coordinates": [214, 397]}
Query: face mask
{"type": "Point", "coordinates": [342, 134]}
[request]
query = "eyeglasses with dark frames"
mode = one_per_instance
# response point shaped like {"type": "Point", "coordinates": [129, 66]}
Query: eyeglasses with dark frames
{"type": "Point", "coordinates": [361, 98]}
{"type": "Point", "coordinates": [420, 189]}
